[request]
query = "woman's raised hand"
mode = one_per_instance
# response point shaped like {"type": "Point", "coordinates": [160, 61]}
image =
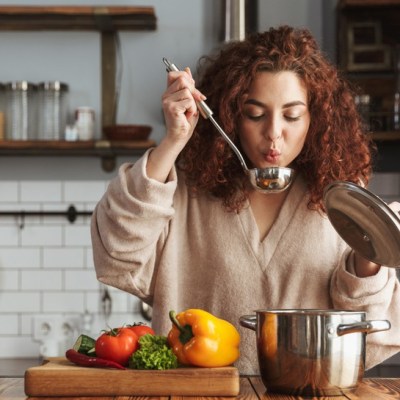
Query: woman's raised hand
{"type": "Point", "coordinates": [181, 116]}
{"type": "Point", "coordinates": [179, 105]}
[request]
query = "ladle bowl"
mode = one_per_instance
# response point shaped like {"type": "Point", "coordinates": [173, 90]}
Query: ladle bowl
{"type": "Point", "coordinates": [267, 180]}
{"type": "Point", "coordinates": [271, 179]}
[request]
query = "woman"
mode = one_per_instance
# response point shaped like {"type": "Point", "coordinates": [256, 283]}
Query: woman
{"type": "Point", "coordinates": [183, 228]}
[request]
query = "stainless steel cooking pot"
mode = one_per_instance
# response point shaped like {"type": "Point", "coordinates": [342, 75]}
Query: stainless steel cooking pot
{"type": "Point", "coordinates": [311, 352]}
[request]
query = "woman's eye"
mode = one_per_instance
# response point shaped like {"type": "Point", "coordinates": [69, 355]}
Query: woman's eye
{"type": "Point", "coordinates": [255, 117]}
{"type": "Point", "coordinates": [292, 118]}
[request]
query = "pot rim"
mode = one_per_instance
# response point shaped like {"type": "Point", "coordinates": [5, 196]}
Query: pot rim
{"type": "Point", "coordinates": [310, 311]}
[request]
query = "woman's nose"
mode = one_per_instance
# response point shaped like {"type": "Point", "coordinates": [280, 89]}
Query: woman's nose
{"type": "Point", "coordinates": [273, 131]}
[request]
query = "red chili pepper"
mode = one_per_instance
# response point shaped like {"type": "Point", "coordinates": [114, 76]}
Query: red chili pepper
{"type": "Point", "coordinates": [88, 361]}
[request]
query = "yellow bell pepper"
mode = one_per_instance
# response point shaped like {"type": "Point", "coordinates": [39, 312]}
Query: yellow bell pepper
{"type": "Point", "coordinates": [200, 339]}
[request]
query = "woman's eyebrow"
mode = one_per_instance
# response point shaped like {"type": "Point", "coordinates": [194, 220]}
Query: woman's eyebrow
{"type": "Point", "coordinates": [294, 103]}
{"type": "Point", "coordinates": [287, 105]}
{"type": "Point", "coordinates": [254, 102]}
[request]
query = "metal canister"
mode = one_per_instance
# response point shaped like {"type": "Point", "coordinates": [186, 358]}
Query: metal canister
{"type": "Point", "coordinates": [21, 123]}
{"type": "Point", "coordinates": [52, 110]}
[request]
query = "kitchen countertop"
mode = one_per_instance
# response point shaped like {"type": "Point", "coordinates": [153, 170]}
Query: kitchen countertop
{"type": "Point", "coordinates": [251, 388]}
{"type": "Point", "coordinates": [15, 367]}
{"type": "Point", "coordinates": [12, 385]}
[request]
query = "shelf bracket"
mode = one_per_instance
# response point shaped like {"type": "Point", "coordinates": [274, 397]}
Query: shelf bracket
{"type": "Point", "coordinates": [108, 70]}
{"type": "Point", "coordinates": [108, 163]}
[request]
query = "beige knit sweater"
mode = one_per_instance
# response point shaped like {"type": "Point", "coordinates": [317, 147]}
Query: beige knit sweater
{"type": "Point", "coordinates": [176, 252]}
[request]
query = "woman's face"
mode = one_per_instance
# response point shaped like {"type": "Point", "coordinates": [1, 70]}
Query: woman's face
{"type": "Point", "coordinates": [275, 119]}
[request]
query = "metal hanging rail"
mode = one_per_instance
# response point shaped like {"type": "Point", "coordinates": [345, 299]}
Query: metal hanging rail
{"type": "Point", "coordinates": [71, 214]}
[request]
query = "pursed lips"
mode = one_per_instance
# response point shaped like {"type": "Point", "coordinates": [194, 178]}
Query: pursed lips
{"type": "Point", "coordinates": [272, 155]}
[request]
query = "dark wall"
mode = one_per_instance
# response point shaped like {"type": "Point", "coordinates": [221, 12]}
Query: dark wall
{"type": "Point", "coordinates": [388, 159]}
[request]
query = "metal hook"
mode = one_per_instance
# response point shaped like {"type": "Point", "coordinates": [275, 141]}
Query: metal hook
{"type": "Point", "coordinates": [106, 303]}
{"type": "Point", "coordinates": [22, 220]}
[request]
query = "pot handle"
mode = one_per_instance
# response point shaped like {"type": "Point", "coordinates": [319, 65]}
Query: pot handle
{"type": "Point", "coordinates": [363, 327]}
{"type": "Point", "coordinates": [248, 321]}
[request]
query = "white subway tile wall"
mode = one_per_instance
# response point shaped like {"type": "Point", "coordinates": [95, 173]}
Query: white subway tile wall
{"type": "Point", "coordinates": [46, 266]}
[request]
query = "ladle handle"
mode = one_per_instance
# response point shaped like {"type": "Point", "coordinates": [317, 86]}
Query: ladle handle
{"type": "Point", "coordinates": [207, 113]}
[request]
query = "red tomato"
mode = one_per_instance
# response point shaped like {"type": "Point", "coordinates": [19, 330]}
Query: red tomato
{"type": "Point", "coordinates": [141, 329]}
{"type": "Point", "coordinates": [117, 345]}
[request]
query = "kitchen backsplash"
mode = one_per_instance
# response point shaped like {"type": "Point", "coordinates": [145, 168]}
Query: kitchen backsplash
{"type": "Point", "coordinates": [47, 278]}
{"type": "Point", "coordinates": [46, 267]}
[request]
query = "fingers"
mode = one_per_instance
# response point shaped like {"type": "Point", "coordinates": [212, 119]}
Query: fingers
{"type": "Point", "coordinates": [189, 72]}
{"type": "Point", "coordinates": [179, 104]}
{"type": "Point", "coordinates": [198, 96]}
{"type": "Point", "coordinates": [179, 80]}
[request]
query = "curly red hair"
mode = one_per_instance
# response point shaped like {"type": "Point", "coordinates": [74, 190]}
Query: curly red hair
{"type": "Point", "coordinates": [336, 147]}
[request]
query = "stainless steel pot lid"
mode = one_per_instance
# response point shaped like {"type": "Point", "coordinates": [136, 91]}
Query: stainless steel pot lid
{"type": "Point", "coordinates": [364, 221]}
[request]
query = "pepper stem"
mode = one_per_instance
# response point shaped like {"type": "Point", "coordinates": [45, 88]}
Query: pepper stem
{"type": "Point", "coordinates": [185, 331]}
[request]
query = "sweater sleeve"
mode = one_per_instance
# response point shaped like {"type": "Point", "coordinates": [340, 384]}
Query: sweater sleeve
{"type": "Point", "coordinates": [379, 297]}
{"type": "Point", "coordinates": [129, 226]}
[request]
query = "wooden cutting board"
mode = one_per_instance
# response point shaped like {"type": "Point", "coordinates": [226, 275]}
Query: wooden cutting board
{"type": "Point", "coordinates": [59, 377]}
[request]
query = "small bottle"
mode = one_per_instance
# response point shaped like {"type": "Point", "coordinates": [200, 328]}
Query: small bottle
{"type": "Point", "coordinates": [71, 133]}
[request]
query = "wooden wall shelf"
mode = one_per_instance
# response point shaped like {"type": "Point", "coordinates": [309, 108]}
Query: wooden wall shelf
{"type": "Point", "coordinates": [108, 151]}
{"type": "Point", "coordinates": [387, 136]}
{"type": "Point", "coordinates": [103, 19]}
{"type": "Point", "coordinates": [367, 3]}
{"type": "Point", "coordinates": [107, 21]}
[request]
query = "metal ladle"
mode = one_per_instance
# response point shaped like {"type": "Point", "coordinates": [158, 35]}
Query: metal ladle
{"type": "Point", "coordinates": [266, 180]}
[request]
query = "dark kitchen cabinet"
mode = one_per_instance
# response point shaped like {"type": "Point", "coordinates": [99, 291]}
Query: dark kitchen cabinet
{"type": "Point", "coordinates": [107, 21]}
{"type": "Point", "coordinates": [368, 49]}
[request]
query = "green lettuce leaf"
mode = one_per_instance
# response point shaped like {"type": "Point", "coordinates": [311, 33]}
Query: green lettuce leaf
{"type": "Point", "coordinates": [153, 353]}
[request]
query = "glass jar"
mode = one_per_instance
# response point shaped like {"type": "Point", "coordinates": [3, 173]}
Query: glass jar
{"type": "Point", "coordinates": [52, 110]}
{"type": "Point", "coordinates": [21, 110]}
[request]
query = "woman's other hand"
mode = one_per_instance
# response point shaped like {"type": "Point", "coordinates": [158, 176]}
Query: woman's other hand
{"type": "Point", "coordinates": [395, 206]}
{"type": "Point", "coordinates": [364, 268]}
